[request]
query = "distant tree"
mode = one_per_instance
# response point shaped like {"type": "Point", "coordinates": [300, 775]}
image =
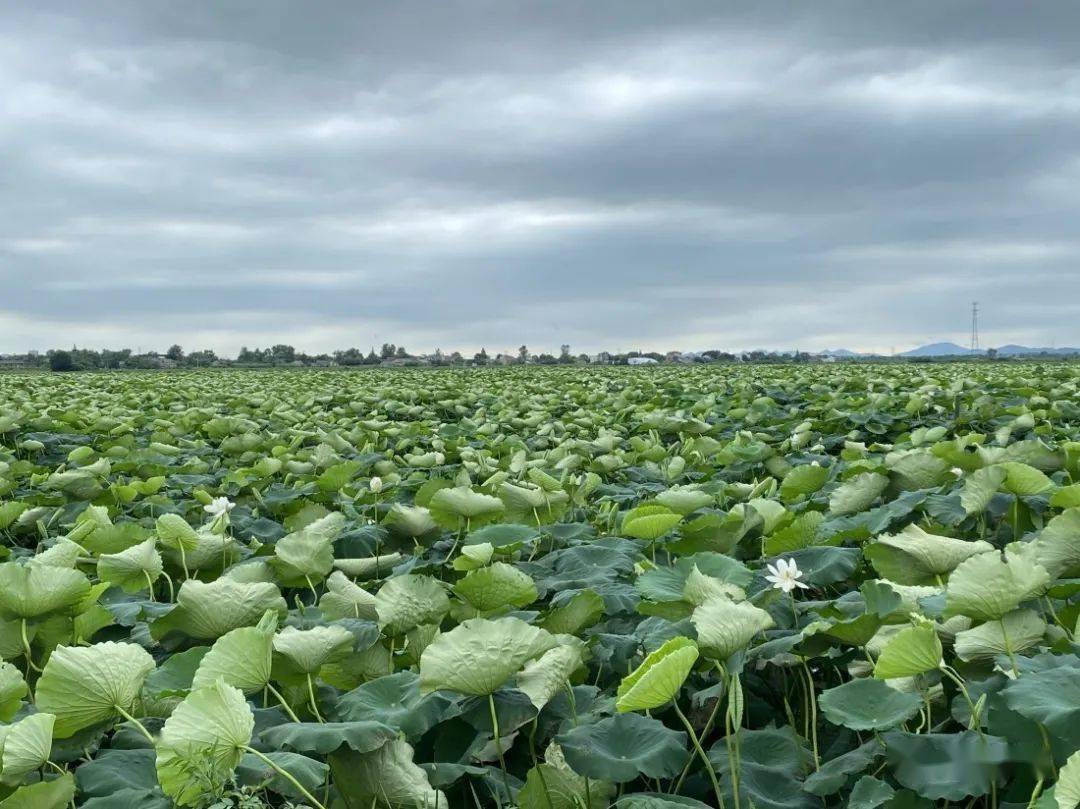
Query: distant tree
{"type": "Point", "coordinates": [481, 356]}
{"type": "Point", "coordinates": [61, 361]}
{"type": "Point", "coordinates": [283, 353]}
{"type": "Point", "coordinates": [523, 354]}
{"type": "Point", "coordinates": [546, 359]}
{"type": "Point", "coordinates": [387, 350]}
{"type": "Point", "coordinates": [456, 358]}
{"type": "Point", "coordinates": [991, 353]}
{"type": "Point", "coordinates": [564, 354]}
{"type": "Point", "coordinates": [372, 358]}
{"type": "Point", "coordinates": [175, 353]}
{"type": "Point", "coordinates": [401, 353]}
{"type": "Point", "coordinates": [437, 358]}
{"type": "Point", "coordinates": [201, 358]}
{"type": "Point", "coordinates": [583, 359]}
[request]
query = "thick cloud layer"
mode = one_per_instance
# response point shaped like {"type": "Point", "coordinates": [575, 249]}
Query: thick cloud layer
{"type": "Point", "coordinates": [612, 174]}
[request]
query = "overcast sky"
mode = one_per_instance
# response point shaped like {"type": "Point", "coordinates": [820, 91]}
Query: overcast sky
{"type": "Point", "coordinates": [613, 175]}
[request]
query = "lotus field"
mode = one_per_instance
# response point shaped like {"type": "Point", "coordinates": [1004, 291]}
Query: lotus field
{"type": "Point", "coordinates": [778, 587]}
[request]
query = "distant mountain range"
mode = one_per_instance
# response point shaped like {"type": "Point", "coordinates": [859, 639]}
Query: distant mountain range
{"type": "Point", "coordinates": [954, 350]}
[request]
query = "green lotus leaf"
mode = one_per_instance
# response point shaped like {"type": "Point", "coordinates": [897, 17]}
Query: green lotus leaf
{"type": "Point", "coordinates": [918, 469]}
{"type": "Point", "coordinates": [480, 655]}
{"type": "Point", "coordinates": [801, 533]}
{"type": "Point", "coordinates": [55, 794]}
{"type": "Point", "coordinates": [497, 586]}
{"type": "Point", "coordinates": [202, 742]}
{"type": "Point", "coordinates": [409, 521]}
{"type": "Point", "coordinates": [133, 569]}
{"type": "Point", "coordinates": [12, 690]}
{"type": "Point", "coordinates": [725, 627]}
{"type": "Point", "coordinates": [1017, 631]}
{"type": "Point", "coordinates": [803, 480]}
{"type": "Point", "coordinates": [211, 551]}
{"type": "Point", "coordinates": [987, 586]}
{"type": "Point", "coordinates": [1023, 480]}
{"type": "Point", "coordinates": [913, 650]}
{"type": "Point", "coordinates": [329, 737]}
{"type": "Point", "coordinates": [405, 602]}
{"type": "Point", "coordinates": [30, 591]}
{"type": "Point", "coordinates": [624, 747]}
{"type": "Point", "coordinates": [307, 555]}
{"type": "Point", "coordinates": [308, 650]}
{"type": "Point", "coordinates": [1067, 789]}
{"type": "Point", "coordinates": [868, 704]}
{"type": "Point", "coordinates": [461, 506]}
{"type": "Point", "coordinates": [945, 766]}
{"type": "Point", "coordinates": [1050, 697]}
{"type": "Point", "coordinates": [387, 777]}
{"type": "Point", "coordinates": [655, 800]}
{"type": "Point", "coordinates": [915, 557]}
{"type": "Point", "coordinates": [869, 793]}
{"type": "Point", "coordinates": [207, 610]}
{"type": "Point", "coordinates": [174, 532]}
{"type": "Point", "coordinates": [369, 567]}
{"type": "Point", "coordinates": [910, 594]}
{"type": "Point", "coordinates": [549, 787]}
{"type": "Point", "coordinates": [25, 746]}
{"type": "Point", "coordinates": [541, 679]}
{"type": "Point", "coordinates": [393, 700]}
{"type": "Point", "coordinates": [700, 588]}
{"type": "Point", "coordinates": [533, 506]}
{"type": "Point", "coordinates": [344, 599]}
{"type": "Point", "coordinates": [834, 774]}
{"type": "Point", "coordinates": [685, 500]}
{"type": "Point", "coordinates": [579, 612]}
{"type": "Point", "coordinates": [475, 556]}
{"type": "Point", "coordinates": [87, 685]}
{"type": "Point", "coordinates": [502, 535]}
{"type": "Point", "coordinates": [63, 553]}
{"type": "Point", "coordinates": [980, 487]}
{"type": "Point", "coordinates": [857, 494]}
{"type": "Point", "coordinates": [253, 771]}
{"type": "Point", "coordinates": [1057, 548]}
{"type": "Point", "coordinates": [241, 657]}
{"type": "Point", "coordinates": [649, 522]}
{"type": "Point", "coordinates": [659, 677]}
{"type": "Point", "coordinates": [771, 762]}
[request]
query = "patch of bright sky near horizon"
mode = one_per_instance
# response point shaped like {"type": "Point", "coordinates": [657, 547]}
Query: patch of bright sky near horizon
{"type": "Point", "coordinates": [613, 175]}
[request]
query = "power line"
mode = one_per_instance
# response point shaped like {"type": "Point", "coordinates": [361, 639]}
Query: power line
{"type": "Point", "coordinates": [974, 326]}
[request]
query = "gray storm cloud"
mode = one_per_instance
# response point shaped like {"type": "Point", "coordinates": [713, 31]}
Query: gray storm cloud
{"type": "Point", "coordinates": [608, 174]}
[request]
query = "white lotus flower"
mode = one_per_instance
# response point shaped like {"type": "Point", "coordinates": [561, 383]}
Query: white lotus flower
{"type": "Point", "coordinates": [219, 507]}
{"type": "Point", "coordinates": [375, 484]}
{"type": "Point", "coordinates": [785, 575]}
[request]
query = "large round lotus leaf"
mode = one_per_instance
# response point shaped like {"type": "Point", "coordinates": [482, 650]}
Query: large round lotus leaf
{"type": "Point", "coordinates": [55, 794]}
{"type": "Point", "coordinates": [1067, 789]}
{"type": "Point", "coordinates": [30, 591]}
{"type": "Point", "coordinates": [26, 746]}
{"type": "Point", "coordinates": [1057, 548]}
{"type": "Point", "coordinates": [869, 793]}
{"type": "Point", "coordinates": [580, 611]}
{"type": "Point", "coordinates": [868, 704]}
{"type": "Point", "coordinates": [308, 650]}
{"type": "Point", "coordinates": [133, 569]}
{"type": "Point", "coordinates": [453, 508]}
{"type": "Point", "coordinates": [405, 602]}
{"type": "Point", "coordinates": [241, 657]}
{"type": "Point", "coordinates": [387, 777]}
{"type": "Point", "coordinates": [654, 800]}
{"type": "Point", "coordinates": [63, 553]}
{"type": "Point", "coordinates": [1023, 480]}
{"type": "Point", "coordinates": [409, 521]}
{"type": "Point", "coordinates": [910, 594]}
{"type": "Point", "coordinates": [478, 656]}
{"type": "Point", "coordinates": [803, 480]}
{"type": "Point", "coordinates": [202, 742]}
{"type": "Point", "coordinates": [344, 599]}
{"type": "Point", "coordinates": [649, 522]}
{"type": "Point", "coordinates": [541, 679]}
{"type": "Point", "coordinates": [175, 533]}
{"type": "Point", "coordinates": [980, 487]}
{"type": "Point", "coordinates": [211, 551]}
{"type": "Point", "coordinates": [501, 535]}
{"type": "Point", "coordinates": [308, 554]}
{"type": "Point", "coordinates": [210, 609]}
{"type": "Point", "coordinates": [945, 766]}
{"type": "Point", "coordinates": [624, 747]}
{"type": "Point", "coordinates": [328, 737]}
{"type": "Point", "coordinates": [987, 586]}
{"type": "Point", "coordinates": [550, 787]}
{"type": "Point", "coordinates": [915, 557]}
{"type": "Point", "coordinates": [685, 500]}
{"type": "Point", "coordinates": [369, 567]}
{"type": "Point", "coordinates": [256, 773]}
{"type": "Point", "coordinates": [913, 650]}
{"type": "Point", "coordinates": [533, 505]}
{"type": "Point", "coordinates": [700, 588]}
{"type": "Point", "coordinates": [659, 677]}
{"type": "Point", "coordinates": [857, 494]}
{"type": "Point", "coordinates": [12, 690]}
{"type": "Point", "coordinates": [1050, 697]}
{"type": "Point", "coordinates": [724, 627]}
{"type": "Point", "coordinates": [1016, 632]}
{"type": "Point", "coordinates": [495, 587]}
{"type": "Point", "coordinates": [85, 685]}
{"type": "Point", "coordinates": [393, 700]}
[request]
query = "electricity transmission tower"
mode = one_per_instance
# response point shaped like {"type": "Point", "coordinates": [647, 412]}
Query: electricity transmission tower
{"type": "Point", "coordinates": [974, 326]}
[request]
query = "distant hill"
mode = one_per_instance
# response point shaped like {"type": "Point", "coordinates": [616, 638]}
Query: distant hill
{"type": "Point", "coordinates": [840, 352]}
{"type": "Point", "coordinates": [937, 350]}
{"type": "Point", "coordinates": [1011, 350]}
